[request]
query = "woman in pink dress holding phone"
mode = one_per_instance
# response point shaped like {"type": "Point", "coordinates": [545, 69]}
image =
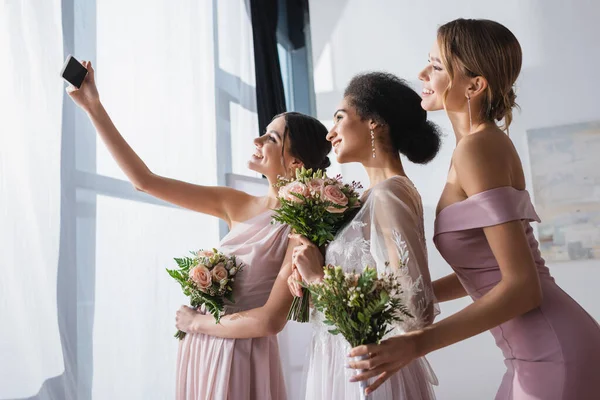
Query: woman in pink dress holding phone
{"type": "Point", "coordinates": [239, 358]}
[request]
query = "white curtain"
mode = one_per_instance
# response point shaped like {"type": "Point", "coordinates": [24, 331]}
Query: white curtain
{"type": "Point", "coordinates": [155, 69]}
{"type": "Point", "coordinates": [158, 78]}
{"type": "Point", "coordinates": [155, 72]}
{"type": "Point", "coordinates": [30, 141]}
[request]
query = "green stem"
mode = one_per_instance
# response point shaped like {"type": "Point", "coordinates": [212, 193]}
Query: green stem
{"type": "Point", "coordinates": [300, 308]}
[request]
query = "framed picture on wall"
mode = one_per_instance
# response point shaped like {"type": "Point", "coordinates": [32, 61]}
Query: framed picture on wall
{"type": "Point", "coordinates": [565, 167]}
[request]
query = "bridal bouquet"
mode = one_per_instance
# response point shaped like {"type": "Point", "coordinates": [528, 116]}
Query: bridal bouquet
{"type": "Point", "coordinates": [363, 307]}
{"type": "Point", "coordinates": [315, 206]}
{"type": "Point", "coordinates": [206, 278]}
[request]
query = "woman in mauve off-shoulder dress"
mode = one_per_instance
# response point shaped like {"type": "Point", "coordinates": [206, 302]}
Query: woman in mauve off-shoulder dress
{"type": "Point", "coordinates": [550, 343]}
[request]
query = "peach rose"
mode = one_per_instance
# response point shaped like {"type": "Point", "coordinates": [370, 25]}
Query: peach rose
{"type": "Point", "coordinates": [300, 188]}
{"type": "Point", "coordinates": [201, 276]}
{"type": "Point", "coordinates": [315, 186]}
{"type": "Point", "coordinates": [219, 272]}
{"type": "Point", "coordinates": [333, 194]}
{"type": "Point", "coordinates": [206, 253]}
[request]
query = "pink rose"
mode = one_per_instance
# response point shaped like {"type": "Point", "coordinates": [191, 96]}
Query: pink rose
{"type": "Point", "coordinates": [219, 272]}
{"type": "Point", "coordinates": [315, 186]}
{"type": "Point", "coordinates": [333, 194]}
{"type": "Point", "coordinates": [296, 187]}
{"type": "Point", "coordinates": [205, 253]}
{"type": "Point", "coordinates": [201, 276]}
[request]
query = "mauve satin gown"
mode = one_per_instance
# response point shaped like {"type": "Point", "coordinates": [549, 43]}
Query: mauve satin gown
{"type": "Point", "coordinates": [551, 352]}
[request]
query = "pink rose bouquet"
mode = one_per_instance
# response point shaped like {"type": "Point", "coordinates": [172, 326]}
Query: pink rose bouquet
{"type": "Point", "coordinates": [207, 279]}
{"type": "Point", "coordinates": [315, 206]}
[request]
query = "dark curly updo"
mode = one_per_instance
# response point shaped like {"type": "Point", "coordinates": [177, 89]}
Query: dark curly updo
{"type": "Point", "coordinates": [389, 101]}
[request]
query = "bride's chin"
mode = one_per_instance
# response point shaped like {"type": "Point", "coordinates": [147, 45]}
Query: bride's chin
{"type": "Point", "coordinates": [341, 158]}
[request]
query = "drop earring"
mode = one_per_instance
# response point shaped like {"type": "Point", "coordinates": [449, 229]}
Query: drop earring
{"type": "Point", "coordinates": [470, 118]}
{"type": "Point", "coordinates": [373, 142]}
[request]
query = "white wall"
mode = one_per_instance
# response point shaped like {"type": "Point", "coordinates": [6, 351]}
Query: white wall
{"type": "Point", "coordinates": [559, 84]}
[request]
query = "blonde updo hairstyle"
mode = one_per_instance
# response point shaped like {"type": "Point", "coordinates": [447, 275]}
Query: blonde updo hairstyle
{"type": "Point", "coordinates": [479, 47]}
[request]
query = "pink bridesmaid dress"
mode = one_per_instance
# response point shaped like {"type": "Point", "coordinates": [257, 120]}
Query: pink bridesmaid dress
{"type": "Point", "coordinates": [551, 352]}
{"type": "Point", "coordinates": [210, 367]}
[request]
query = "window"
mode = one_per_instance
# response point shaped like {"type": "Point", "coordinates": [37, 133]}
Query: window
{"type": "Point", "coordinates": [177, 79]}
{"type": "Point", "coordinates": [162, 98]}
{"type": "Point", "coordinates": [293, 45]}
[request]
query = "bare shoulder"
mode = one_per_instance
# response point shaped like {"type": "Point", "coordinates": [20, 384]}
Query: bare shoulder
{"type": "Point", "coordinates": [483, 145]}
{"type": "Point", "coordinates": [484, 161]}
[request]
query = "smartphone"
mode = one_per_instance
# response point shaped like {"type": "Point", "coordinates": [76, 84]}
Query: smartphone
{"type": "Point", "coordinates": [73, 72]}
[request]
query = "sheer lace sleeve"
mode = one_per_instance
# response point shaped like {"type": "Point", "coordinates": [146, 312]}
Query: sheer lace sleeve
{"type": "Point", "coordinates": [394, 217]}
